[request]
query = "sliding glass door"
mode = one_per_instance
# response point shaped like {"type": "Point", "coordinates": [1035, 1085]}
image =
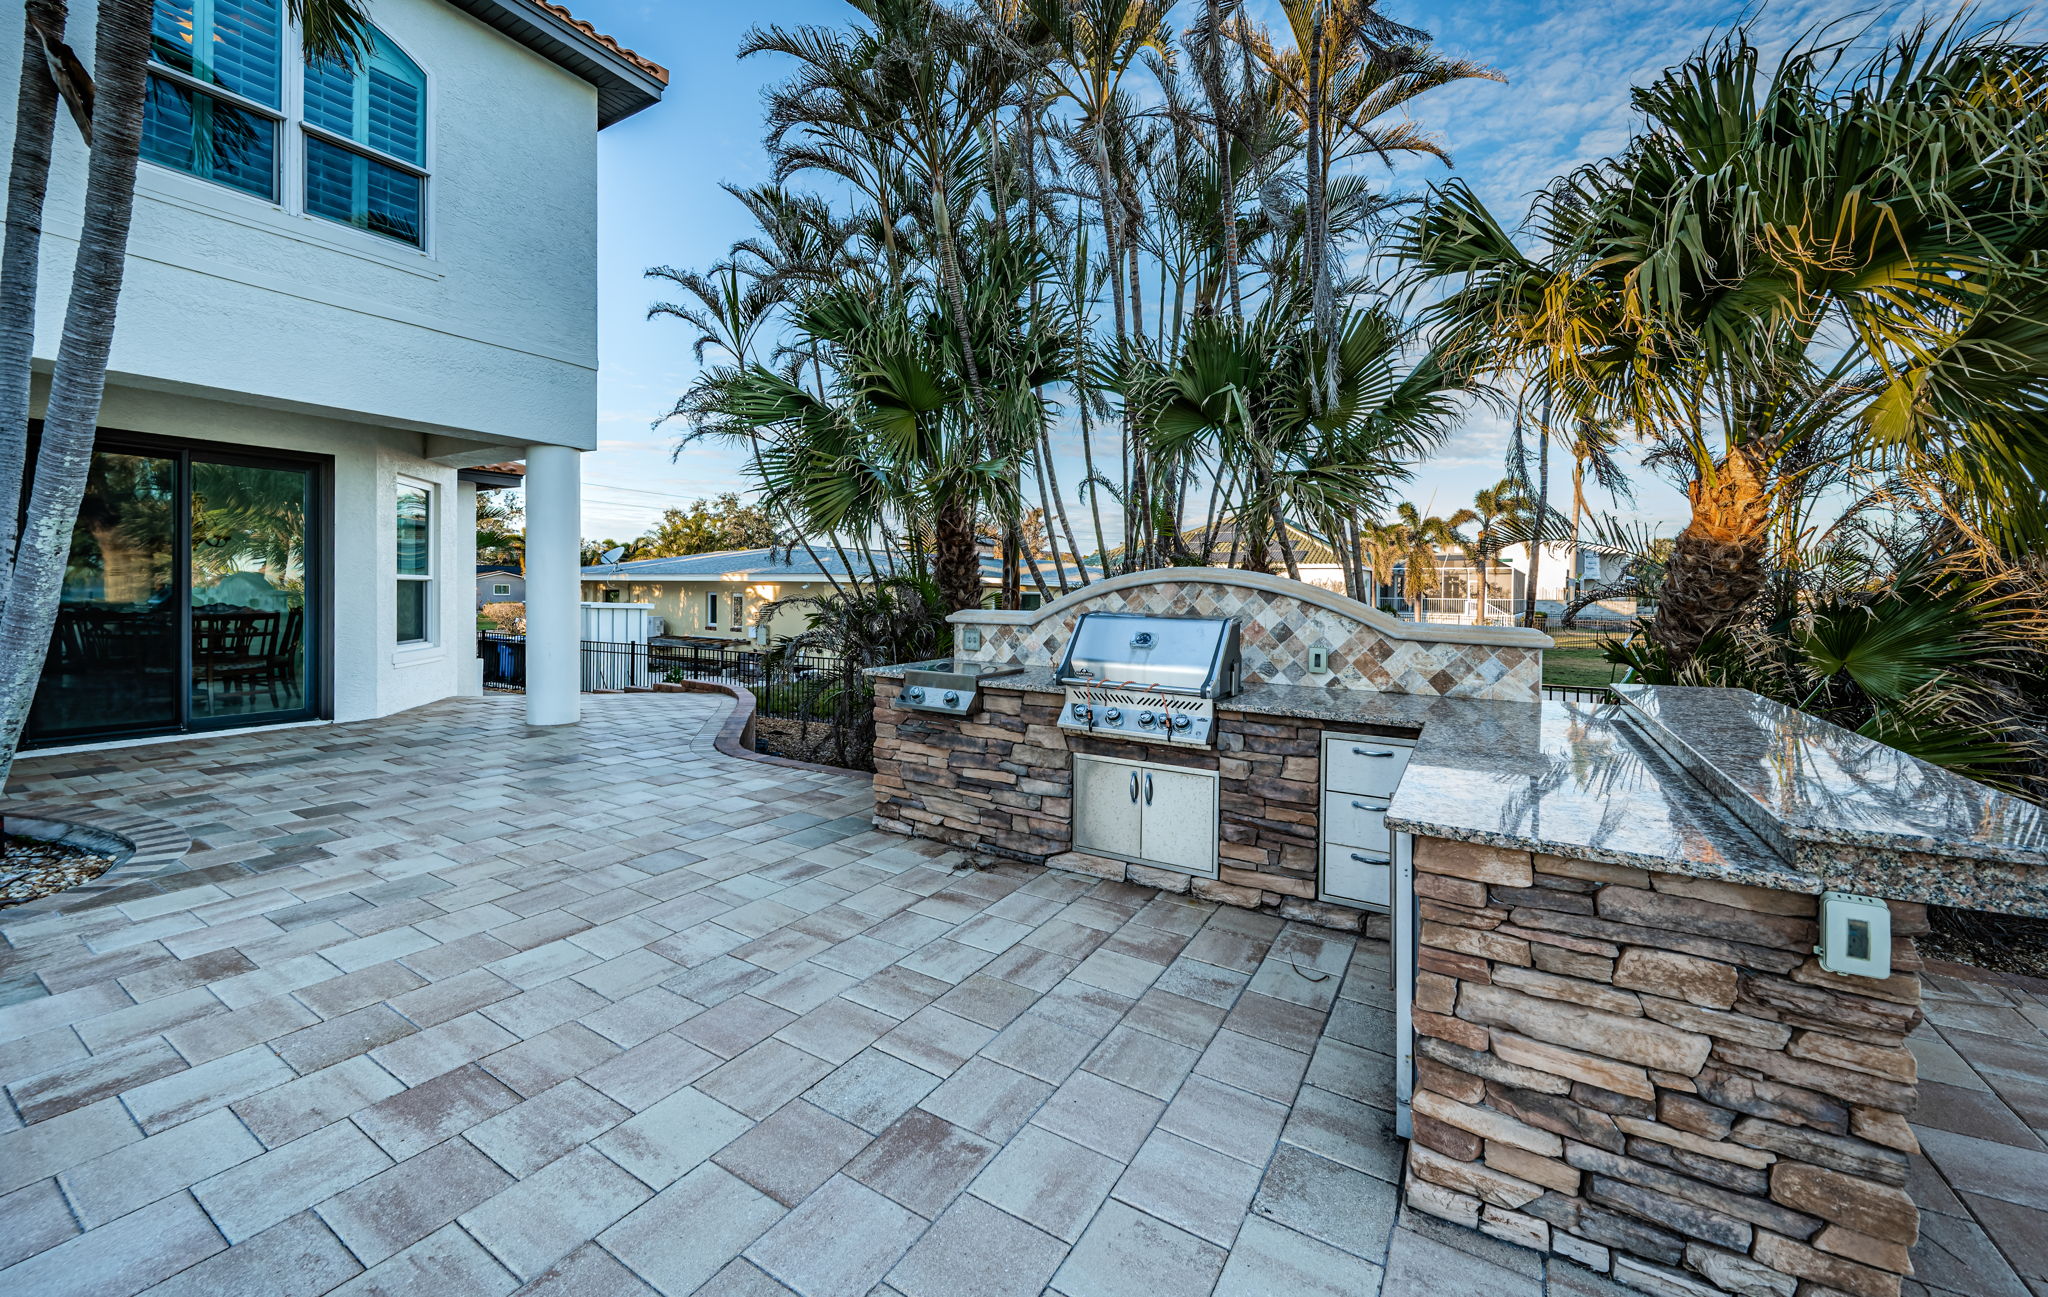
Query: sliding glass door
{"type": "Point", "coordinates": [248, 584]}
{"type": "Point", "coordinates": [189, 597]}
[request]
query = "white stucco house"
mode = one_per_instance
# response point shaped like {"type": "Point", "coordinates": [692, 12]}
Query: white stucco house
{"type": "Point", "coordinates": [348, 293]}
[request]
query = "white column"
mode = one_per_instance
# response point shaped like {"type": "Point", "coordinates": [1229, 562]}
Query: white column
{"type": "Point", "coordinates": [554, 543]}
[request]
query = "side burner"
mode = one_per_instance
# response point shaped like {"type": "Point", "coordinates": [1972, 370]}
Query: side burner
{"type": "Point", "coordinates": [944, 685]}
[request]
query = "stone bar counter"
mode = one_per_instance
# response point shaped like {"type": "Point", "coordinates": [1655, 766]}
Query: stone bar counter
{"type": "Point", "coordinates": [1624, 1047]}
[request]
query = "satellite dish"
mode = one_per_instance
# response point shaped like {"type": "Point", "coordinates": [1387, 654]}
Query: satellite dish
{"type": "Point", "coordinates": [614, 554]}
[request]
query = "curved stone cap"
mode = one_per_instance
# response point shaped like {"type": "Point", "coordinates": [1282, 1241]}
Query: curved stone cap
{"type": "Point", "coordinates": [1280, 622]}
{"type": "Point", "coordinates": [1343, 605]}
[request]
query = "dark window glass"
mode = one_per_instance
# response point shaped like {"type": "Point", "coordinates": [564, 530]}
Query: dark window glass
{"type": "Point", "coordinates": [248, 589]}
{"type": "Point", "coordinates": [355, 190]}
{"type": "Point", "coordinates": [113, 660]}
{"type": "Point", "coordinates": [194, 131]}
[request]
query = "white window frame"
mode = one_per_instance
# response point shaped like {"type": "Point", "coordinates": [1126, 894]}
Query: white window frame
{"type": "Point", "coordinates": [290, 152]}
{"type": "Point", "coordinates": [711, 610]}
{"type": "Point", "coordinates": [501, 587]}
{"type": "Point", "coordinates": [432, 575]}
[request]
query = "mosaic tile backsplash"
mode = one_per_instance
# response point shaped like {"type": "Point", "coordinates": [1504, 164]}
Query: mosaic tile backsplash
{"type": "Point", "coordinates": [1276, 632]}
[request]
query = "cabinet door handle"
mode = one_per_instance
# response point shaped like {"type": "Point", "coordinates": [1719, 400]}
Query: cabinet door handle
{"type": "Point", "coordinates": [1134, 787]}
{"type": "Point", "coordinates": [1148, 788]}
{"type": "Point", "coordinates": [1371, 860]}
{"type": "Point", "coordinates": [1362, 806]}
{"type": "Point", "coordinates": [1371, 752]}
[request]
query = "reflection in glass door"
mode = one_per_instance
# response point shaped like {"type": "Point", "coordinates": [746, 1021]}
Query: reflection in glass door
{"type": "Point", "coordinates": [248, 584]}
{"type": "Point", "coordinates": [187, 603]}
{"type": "Point", "coordinates": [113, 665]}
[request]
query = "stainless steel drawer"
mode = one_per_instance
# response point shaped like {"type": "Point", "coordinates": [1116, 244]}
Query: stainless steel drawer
{"type": "Point", "coordinates": [1369, 766]}
{"type": "Point", "coordinates": [1353, 820]}
{"type": "Point", "coordinates": [1357, 875]}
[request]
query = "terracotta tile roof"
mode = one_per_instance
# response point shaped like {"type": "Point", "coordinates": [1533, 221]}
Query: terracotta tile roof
{"type": "Point", "coordinates": [645, 64]}
{"type": "Point", "coordinates": [512, 469]}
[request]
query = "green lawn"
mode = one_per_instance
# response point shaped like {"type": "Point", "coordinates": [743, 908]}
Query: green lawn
{"type": "Point", "coordinates": [1576, 660]}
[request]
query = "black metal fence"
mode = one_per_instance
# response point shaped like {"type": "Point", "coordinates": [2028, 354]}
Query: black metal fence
{"type": "Point", "coordinates": [1577, 693]}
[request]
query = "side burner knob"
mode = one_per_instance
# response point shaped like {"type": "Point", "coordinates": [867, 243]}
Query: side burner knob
{"type": "Point", "coordinates": [914, 694]}
{"type": "Point", "coordinates": [952, 698]}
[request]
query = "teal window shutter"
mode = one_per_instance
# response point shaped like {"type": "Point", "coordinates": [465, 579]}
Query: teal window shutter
{"type": "Point", "coordinates": [381, 108]}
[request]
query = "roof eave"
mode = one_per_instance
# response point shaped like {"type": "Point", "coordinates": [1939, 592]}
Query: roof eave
{"type": "Point", "coordinates": [623, 87]}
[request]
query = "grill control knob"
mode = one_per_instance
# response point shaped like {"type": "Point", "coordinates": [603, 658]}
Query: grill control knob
{"type": "Point", "coordinates": [915, 695]}
{"type": "Point", "coordinates": [1113, 716]}
{"type": "Point", "coordinates": [1146, 719]}
{"type": "Point", "coordinates": [1081, 711]}
{"type": "Point", "coordinates": [1182, 723]}
{"type": "Point", "coordinates": [952, 698]}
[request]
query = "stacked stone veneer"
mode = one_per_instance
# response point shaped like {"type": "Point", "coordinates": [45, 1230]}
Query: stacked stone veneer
{"type": "Point", "coordinates": [1649, 1073]}
{"type": "Point", "coordinates": [1001, 781]}
{"type": "Point", "coordinates": [1278, 627]}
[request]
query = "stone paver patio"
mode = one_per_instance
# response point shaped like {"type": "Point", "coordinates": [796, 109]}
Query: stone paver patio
{"type": "Point", "coordinates": [438, 1004]}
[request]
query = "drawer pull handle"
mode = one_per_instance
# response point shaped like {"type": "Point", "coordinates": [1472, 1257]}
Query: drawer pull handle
{"type": "Point", "coordinates": [1372, 860]}
{"type": "Point", "coordinates": [1372, 752]}
{"type": "Point", "coordinates": [1357, 805]}
{"type": "Point", "coordinates": [1134, 786]}
{"type": "Point", "coordinates": [1148, 788]}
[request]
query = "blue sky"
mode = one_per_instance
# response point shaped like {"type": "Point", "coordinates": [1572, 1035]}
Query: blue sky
{"type": "Point", "coordinates": [1568, 63]}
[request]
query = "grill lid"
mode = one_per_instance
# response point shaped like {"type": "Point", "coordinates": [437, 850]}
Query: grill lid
{"type": "Point", "coordinates": [1189, 655]}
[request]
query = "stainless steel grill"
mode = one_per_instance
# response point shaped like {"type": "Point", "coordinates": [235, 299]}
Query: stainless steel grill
{"type": "Point", "coordinates": [1154, 679]}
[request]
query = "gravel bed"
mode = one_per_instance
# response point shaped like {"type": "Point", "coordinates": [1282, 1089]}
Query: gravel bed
{"type": "Point", "coordinates": [2004, 943]}
{"type": "Point", "coordinates": [31, 868]}
{"type": "Point", "coordinates": [780, 736]}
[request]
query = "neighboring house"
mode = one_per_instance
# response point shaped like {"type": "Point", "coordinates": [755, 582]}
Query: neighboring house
{"type": "Point", "coordinates": [723, 596]}
{"type": "Point", "coordinates": [499, 583]}
{"type": "Point", "coordinates": [350, 296]}
{"type": "Point", "coordinates": [1565, 570]}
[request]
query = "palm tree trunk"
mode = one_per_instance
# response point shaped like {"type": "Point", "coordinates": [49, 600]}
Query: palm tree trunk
{"type": "Point", "coordinates": [1056, 507]}
{"type": "Point", "coordinates": [28, 180]}
{"type": "Point", "coordinates": [956, 556]}
{"type": "Point", "coordinates": [1717, 563]}
{"type": "Point", "coordinates": [1226, 161]}
{"type": "Point", "coordinates": [1542, 511]}
{"type": "Point", "coordinates": [79, 379]}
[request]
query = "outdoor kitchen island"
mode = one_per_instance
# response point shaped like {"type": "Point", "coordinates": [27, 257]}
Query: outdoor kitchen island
{"type": "Point", "coordinates": [1622, 1035]}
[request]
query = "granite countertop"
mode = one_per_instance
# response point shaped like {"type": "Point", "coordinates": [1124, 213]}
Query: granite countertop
{"type": "Point", "coordinates": [1716, 783]}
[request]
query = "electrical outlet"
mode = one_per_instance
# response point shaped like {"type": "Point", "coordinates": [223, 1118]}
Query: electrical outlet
{"type": "Point", "coordinates": [1855, 935]}
{"type": "Point", "coordinates": [970, 638]}
{"type": "Point", "coordinates": [1319, 661]}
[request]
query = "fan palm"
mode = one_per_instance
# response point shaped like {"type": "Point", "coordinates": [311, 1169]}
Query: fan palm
{"type": "Point", "coordinates": [1871, 231]}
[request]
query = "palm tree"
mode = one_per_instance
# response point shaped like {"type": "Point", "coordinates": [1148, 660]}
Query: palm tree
{"type": "Point", "coordinates": [1592, 443]}
{"type": "Point", "coordinates": [32, 562]}
{"type": "Point", "coordinates": [1500, 511]}
{"type": "Point", "coordinates": [1349, 67]}
{"type": "Point", "coordinates": [1858, 239]}
{"type": "Point", "coordinates": [1245, 401]}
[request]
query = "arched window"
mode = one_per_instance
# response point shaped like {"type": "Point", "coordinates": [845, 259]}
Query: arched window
{"type": "Point", "coordinates": [214, 98]}
{"type": "Point", "coordinates": [366, 143]}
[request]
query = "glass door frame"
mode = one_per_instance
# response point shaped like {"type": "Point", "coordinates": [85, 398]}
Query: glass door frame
{"type": "Point", "coordinates": [318, 562]}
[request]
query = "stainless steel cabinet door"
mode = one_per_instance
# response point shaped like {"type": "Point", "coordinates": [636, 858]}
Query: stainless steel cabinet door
{"type": "Point", "coordinates": [1108, 806]}
{"type": "Point", "coordinates": [1180, 819]}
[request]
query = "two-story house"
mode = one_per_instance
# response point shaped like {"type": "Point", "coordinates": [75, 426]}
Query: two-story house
{"type": "Point", "coordinates": [345, 288]}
